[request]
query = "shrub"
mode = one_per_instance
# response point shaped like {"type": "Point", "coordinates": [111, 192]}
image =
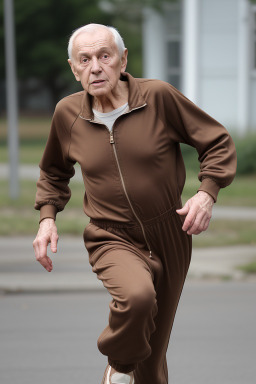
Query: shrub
{"type": "Point", "coordinates": [246, 155]}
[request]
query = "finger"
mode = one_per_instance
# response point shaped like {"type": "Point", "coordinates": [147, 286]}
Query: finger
{"type": "Point", "coordinates": [42, 247]}
{"type": "Point", "coordinates": [54, 241]}
{"type": "Point", "coordinates": [184, 210]}
{"type": "Point", "coordinates": [196, 233]}
{"type": "Point", "coordinates": [36, 249]}
{"type": "Point", "coordinates": [46, 263]}
{"type": "Point", "coordinates": [202, 227]}
{"type": "Point", "coordinates": [199, 219]}
{"type": "Point", "coordinates": [190, 219]}
{"type": "Point", "coordinates": [206, 225]}
{"type": "Point", "coordinates": [43, 259]}
{"type": "Point", "coordinates": [196, 230]}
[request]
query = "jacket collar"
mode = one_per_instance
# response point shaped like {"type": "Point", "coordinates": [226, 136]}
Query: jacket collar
{"type": "Point", "coordinates": [135, 98]}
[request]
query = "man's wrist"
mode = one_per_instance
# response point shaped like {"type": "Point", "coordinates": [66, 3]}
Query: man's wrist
{"type": "Point", "coordinates": [211, 187]}
{"type": "Point", "coordinates": [207, 194]}
{"type": "Point", "coordinates": [48, 211]}
{"type": "Point", "coordinates": [46, 218]}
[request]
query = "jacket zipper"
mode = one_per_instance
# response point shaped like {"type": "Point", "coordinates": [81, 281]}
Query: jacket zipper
{"type": "Point", "coordinates": [122, 179]}
{"type": "Point", "coordinates": [126, 194]}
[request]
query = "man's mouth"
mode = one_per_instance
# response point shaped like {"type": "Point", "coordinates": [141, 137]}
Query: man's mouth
{"type": "Point", "coordinates": [98, 81]}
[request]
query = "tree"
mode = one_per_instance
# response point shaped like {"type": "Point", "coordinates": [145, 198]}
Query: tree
{"type": "Point", "coordinates": [43, 28]}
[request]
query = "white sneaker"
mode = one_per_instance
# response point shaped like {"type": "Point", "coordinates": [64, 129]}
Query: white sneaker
{"type": "Point", "coordinates": [118, 378]}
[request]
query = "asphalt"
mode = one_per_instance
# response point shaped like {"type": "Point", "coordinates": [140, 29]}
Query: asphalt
{"type": "Point", "coordinates": [20, 272]}
{"type": "Point", "coordinates": [52, 337]}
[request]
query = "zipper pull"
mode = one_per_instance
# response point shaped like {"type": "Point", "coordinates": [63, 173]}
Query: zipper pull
{"type": "Point", "coordinates": [111, 138]}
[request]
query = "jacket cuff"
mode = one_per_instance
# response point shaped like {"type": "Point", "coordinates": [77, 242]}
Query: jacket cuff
{"type": "Point", "coordinates": [48, 211]}
{"type": "Point", "coordinates": [210, 186]}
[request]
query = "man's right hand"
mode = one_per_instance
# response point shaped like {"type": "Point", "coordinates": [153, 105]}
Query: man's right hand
{"type": "Point", "coordinates": [47, 233]}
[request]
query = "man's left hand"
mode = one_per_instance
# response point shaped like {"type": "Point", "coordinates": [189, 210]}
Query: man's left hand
{"type": "Point", "coordinates": [198, 211]}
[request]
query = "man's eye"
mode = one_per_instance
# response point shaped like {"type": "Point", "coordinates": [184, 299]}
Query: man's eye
{"type": "Point", "coordinates": [84, 60]}
{"type": "Point", "coordinates": [105, 56]}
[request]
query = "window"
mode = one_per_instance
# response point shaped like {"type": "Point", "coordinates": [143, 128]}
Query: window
{"type": "Point", "coordinates": [173, 33]}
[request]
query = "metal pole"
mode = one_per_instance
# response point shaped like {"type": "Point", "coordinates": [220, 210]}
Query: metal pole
{"type": "Point", "coordinates": [11, 96]}
{"type": "Point", "coordinates": [190, 49]}
{"type": "Point", "coordinates": [244, 67]}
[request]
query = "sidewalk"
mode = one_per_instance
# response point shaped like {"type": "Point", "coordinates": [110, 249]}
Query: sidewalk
{"type": "Point", "coordinates": [20, 272]}
{"type": "Point", "coordinates": [30, 172]}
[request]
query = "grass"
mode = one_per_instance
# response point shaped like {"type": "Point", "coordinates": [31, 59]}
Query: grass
{"type": "Point", "coordinates": [33, 134]}
{"type": "Point", "coordinates": [28, 192]}
{"type": "Point", "coordinates": [29, 152]}
{"type": "Point", "coordinates": [22, 221]}
{"type": "Point", "coordinates": [249, 268]}
{"type": "Point", "coordinates": [29, 128]}
{"type": "Point", "coordinates": [226, 232]}
{"type": "Point", "coordinates": [242, 191]}
{"type": "Point", "coordinates": [19, 217]}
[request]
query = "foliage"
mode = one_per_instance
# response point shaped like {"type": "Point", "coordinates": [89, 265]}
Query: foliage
{"type": "Point", "coordinates": [246, 159]}
{"type": "Point", "coordinates": [249, 268]}
{"type": "Point", "coordinates": [43, 28]}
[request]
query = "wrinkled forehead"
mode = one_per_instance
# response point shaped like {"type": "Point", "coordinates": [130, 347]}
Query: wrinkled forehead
{"type": "Point", "coordinates": [93, 39]}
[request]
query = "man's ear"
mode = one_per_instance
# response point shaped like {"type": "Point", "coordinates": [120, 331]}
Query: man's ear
{"type": "Point", "coordinates": [73, 69]}
{"type": "Point", "coordinates": [124, 60]}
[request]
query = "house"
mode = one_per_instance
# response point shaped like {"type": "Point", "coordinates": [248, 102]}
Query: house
{"type": "Point", "coordinates": [206, 49]}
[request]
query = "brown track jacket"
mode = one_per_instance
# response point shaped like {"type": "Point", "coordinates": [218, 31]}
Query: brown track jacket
{"type": "Point", "coordinates": [137, 170]}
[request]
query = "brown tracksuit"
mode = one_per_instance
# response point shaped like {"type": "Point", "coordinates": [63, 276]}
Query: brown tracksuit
{"type": "Point", "coordinates": [133, 181]}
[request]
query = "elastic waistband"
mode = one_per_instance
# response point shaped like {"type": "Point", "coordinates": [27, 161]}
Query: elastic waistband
{"type": "Point", "coordinates": [134, 225]}
{"type": "Point", "coordinates": [114, 224]}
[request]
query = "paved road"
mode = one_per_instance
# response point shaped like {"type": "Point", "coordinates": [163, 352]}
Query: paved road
{"type": "Point", "coordinates": [51, 338]}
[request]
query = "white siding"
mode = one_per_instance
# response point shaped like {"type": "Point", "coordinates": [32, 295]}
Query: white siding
{"type": "Point", "coordinates": [218, 64]}
{"type": "Point", "coordinates": [252, 96]}
{"type": "Point", "coordinates": [252, 107]}
{"type": "Point", "coordinates": [154, 50]}
{"type": "Point", "coordinates": [217, 71]}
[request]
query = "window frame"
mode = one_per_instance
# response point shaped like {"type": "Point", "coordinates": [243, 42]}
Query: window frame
{"type": "Point", "coordinates": [174, 38]}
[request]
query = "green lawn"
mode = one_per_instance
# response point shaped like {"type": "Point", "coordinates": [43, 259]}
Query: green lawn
{"type": "Point", "coordinates": [242, 191]}
{"type": "Point", "coordinates": [19, 217]}
{"type": "Point", "coordinates": [227, 232]}
{"type": "Point", "coordinates": [33, 134]}
{"type": "Point", "coordinates": [249, 268]}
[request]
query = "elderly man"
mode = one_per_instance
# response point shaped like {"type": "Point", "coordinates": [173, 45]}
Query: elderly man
{"type": "Point", "coordinates": [125, 134]}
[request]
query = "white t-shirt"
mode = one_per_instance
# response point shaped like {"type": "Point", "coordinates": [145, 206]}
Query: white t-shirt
{"type": "Point", "coordinates": [110, 117]}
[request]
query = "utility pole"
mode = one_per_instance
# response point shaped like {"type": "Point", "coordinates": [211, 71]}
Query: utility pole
{"type": "Point", "coordinates": [11, 97]}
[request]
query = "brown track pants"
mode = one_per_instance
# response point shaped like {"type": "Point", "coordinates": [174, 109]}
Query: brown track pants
{"type": "Point", "coordinates": [145, 291]}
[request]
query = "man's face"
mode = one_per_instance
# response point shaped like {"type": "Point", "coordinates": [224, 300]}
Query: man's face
{"type": "Point", "coordinates": [96, 62]}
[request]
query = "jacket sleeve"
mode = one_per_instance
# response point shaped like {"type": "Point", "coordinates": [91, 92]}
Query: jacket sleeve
{"type": "Point", "coordinates": [191, 125]}
{"type": "Point", "coordinates": [56, 169]}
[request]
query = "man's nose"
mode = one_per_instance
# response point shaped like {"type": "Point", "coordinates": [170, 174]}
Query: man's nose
{"type": "Point", "coordinates": [95, 65]}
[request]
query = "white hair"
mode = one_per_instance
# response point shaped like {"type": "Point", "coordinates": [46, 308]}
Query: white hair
{"type": "Point", "coordinates": [92, 27]}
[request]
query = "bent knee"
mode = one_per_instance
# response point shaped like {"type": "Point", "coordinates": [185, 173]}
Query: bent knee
{"type": "Point", "coordinates": [142, 300]}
